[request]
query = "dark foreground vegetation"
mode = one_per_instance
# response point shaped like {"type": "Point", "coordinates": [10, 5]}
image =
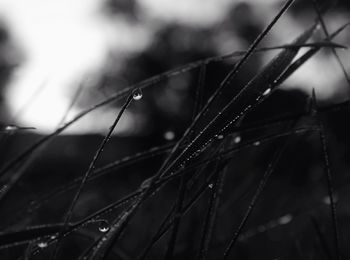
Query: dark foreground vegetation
{"type": "Point", "coordinates": [245, 171]}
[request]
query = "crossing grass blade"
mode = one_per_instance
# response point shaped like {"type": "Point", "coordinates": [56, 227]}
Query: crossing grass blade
{"type": "Point", "coordinates": [97, 155]}
{"type": "Point", "coordinates": [262, 184]}
{"type": "Point", "coordinates": [329, 177]}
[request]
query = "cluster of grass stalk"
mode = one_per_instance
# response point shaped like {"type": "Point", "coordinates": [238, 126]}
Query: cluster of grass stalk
{"type": "Point", "coordinates": [209, 142]}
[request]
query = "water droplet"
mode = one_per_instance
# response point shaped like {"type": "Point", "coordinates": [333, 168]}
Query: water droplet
{"type": "Point", "coordinates": [146, 183]}
{"type": "Point", "coordinates": [285, 219]}
{"type": "Point", "coordinates": [257, 143]}
{"type": "Point", "coordinates": [237, 139]}
{"type": "Point", "coordinates": [169, 135]}
{"type": "Point", "coordinates": [11, 128]}
{"type": "Point", "coordinates": [327, 200]}
{"type": "Point", "coordinates": [137, 94]}
{"type": "Point", "coordinates": [219, 137]}
{"type": "Point", "coordinates": [103, 226]}
{"type": "Point", "coordinates": [3, 188]}
{"type": "Point", "coordinates": [266, 92]}
{"type": "Point", "coordinates": [42, 244]}
{"type": "Point", "coordinates": [211, 186]}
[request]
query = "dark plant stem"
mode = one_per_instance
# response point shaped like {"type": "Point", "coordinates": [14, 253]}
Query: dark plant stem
{"type": "Point", "coordinates": [271, 167]}
{"type": "Point", "coordinates": [97, 155]}
{"type": "Point", "coordinates": [329, 177]}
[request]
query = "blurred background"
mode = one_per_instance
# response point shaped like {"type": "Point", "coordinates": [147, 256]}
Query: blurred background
{"type": "Point", "coordinates": [49, 48]}
{"type": "Point", "coordinates": [54, 52]}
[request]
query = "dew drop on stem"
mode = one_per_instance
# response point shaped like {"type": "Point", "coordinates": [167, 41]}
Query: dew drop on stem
{"type": "Point", "coordinates": [137, 94]}
{"type": "Point", "coordinates": [219, 137]}
{"type": "Point", "coordinates": [285, 219]}
{"type": "Point", "coordinates": [237, 139]}
{"type": "Point", "coordinates": [11, 128]}
{"type": "Point", "coordinates": [266, 92]}
{"type": "Point", "coordinates": [327, 200]}
{"type": "Point", "coordinates": [42, 244]}
{"type": "Point", "coordinates": [103, 226]}
{"type": "Point", "coordinates": [257, 143]}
